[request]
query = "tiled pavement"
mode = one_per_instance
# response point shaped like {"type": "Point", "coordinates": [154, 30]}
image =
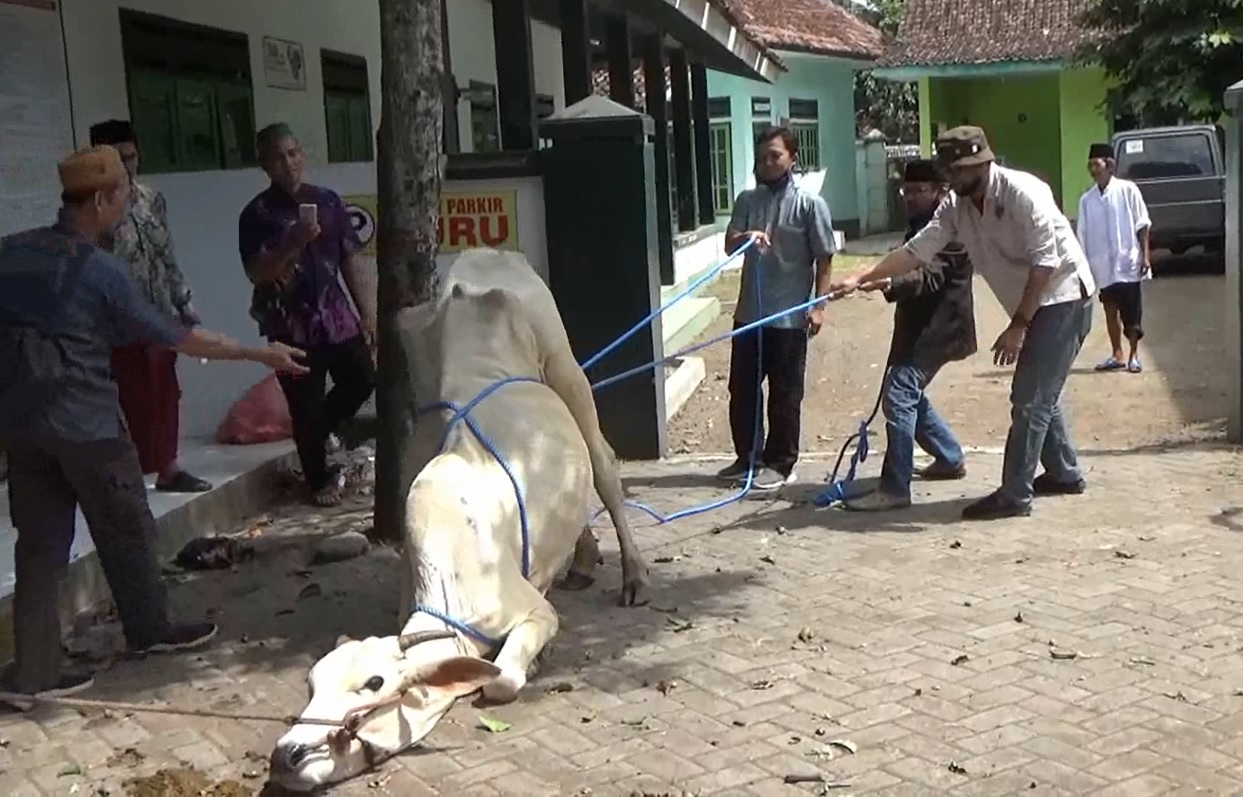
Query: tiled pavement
{"type": "Point", "coordinates": [1091, 649]}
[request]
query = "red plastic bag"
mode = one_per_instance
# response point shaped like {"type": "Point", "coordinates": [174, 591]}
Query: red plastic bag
{"type": "Point", "coordinates": [260, 416]}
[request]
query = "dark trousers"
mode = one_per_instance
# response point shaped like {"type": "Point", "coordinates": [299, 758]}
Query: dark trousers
{"type": "Point", "coordinates": [150, 396]}
{"type": "Point", "coordinates": [780, 357]}
{"type": "Point", "coordinates": [48, 480]}
{"type": "Point", "coordinates": [315, 415]}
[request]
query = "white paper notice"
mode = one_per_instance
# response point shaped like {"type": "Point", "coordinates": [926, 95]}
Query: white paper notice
{"type": "Point", "coordinates": [1134, 147]}
{"type": "Point", "coordinates": [35, 127]}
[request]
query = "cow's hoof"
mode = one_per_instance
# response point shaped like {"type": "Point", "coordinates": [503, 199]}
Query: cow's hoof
{"type": "Point", "coordinates": [636, 589]}
{"type": "Point", "coordinates": [504, 689]}
{"type": "Point", "coordinates": [575, 582]}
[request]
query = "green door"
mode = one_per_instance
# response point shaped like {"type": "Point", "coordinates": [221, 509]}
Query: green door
{"type": "Point", "coordinates": [236, 113]}
{"type": "Point", "coordinates": [197, 127]}
{"type": "Point", "coordinates": [153, 99]}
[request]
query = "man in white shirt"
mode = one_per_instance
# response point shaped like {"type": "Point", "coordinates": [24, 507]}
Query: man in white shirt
{"type": "Point", "coordinates": [1113, 230]}
{"type": "Point", "coordinates": [1022, 244]}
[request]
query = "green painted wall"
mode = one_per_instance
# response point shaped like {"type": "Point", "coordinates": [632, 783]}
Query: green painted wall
{"type": "Point", "coordinates": [1084, 122]}
{"type": "Point", "coordinates": [925, 119]}
{"type": "Point", "coordinates": [1020, 114]}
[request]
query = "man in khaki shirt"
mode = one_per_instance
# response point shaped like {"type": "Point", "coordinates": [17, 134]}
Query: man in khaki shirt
{"type": "Point", "coordinates": [1023, 246]}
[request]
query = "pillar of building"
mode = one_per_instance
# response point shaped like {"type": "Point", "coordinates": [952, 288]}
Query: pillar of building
{"type": "Point", "coordinates": [603, 262]}
{"type": "Point", "coordinates": [1234, 256]}
{"type": "Point", "coordinates": [515, 73]}
{"type": "Point", "coordinates": [655, 90]}
{"type": "Point", "coordinates": [683, 141]}
{"type": "Point", "coordinates": [620, 59]}
{"type": "Point", "coordinates": [575, 50]}
{"type": "Point", "coordinates": [703, 143]}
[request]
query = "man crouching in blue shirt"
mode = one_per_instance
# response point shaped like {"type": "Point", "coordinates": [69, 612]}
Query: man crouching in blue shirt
{"type": "Point", "coordinates": [65, 304]}
{"type": "Point", "coordinates": [792, 256]}
{"type": "Point", "coordinates": [933, 324]}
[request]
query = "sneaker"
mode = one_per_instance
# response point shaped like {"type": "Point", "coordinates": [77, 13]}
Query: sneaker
{"type": "Point", "coordinates": [735, 471]}
{"type": "Point", "coordinates": [189, 636]}
{"type": "Point", "coordinates": [70, 683]}
{"type": "Point", "coordinates": [877, 502]}
{"type": "Point", "coordinates": [942, 471]}
{"type": "Point", "coordinates": [1044, 485]}
{"type": "Point", "coordinates": [767, 480]}
{"type": "Point", "coordinates": [994, 507]}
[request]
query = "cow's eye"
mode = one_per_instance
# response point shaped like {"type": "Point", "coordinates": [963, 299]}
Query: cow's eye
{"type": "Point", "coordinates": [374, 684]}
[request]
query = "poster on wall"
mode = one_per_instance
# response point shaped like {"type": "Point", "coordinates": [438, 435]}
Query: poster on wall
{"type": "Point", "coordinates": [467, 219]}
{"type": "Point", "coordinates": [36, 129]}
{"type": "Point", "coordinates": [284, 66]}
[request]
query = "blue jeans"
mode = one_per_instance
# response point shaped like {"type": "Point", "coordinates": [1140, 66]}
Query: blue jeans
{"type": "Point", "coordinates": [1038, 433]}
{"type": "Point", "coordinates": [910, 419]}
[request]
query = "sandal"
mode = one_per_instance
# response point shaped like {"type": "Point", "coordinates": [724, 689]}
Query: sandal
{"type": "Point", "coordinates": [1112, 364]}
{"type": "Point", "coordinates": [332, 493]}
{"type": "Point", "coordinates": [1134, 366]}
{"type": "Point", "coordinates": [184, 483]}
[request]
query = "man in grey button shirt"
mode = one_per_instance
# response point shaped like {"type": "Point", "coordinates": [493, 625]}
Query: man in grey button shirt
{"type": "Point", "coordinates": [1022, 244]}
{"type": "Point", "coordinates": [791, 257]}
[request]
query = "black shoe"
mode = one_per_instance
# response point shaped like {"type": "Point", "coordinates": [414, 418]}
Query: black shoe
{"type": "Point", "coordinates": [179, 638]}
{"type": "Point", "coordinates": [735, 471]}
{"type": "Point", "coordinates": [183, 483]}
{"type": "Point", "coordinates": [1044, 485]}
{"type": "Point", "coordinates": [942, 471]}
{"type": "Point", "coordinates": [70, 683]}
{"type": "Point", "coordinates": [767, 480]}
{"type": "Point", "coordinates": [994, 507]}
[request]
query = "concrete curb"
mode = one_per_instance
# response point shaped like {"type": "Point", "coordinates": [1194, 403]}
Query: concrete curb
{"type": "Point", "coordinates": [682, 384]}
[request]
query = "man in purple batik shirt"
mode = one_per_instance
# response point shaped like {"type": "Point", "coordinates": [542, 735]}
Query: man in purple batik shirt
{"type": "Point", "coordinates": [297, 265]}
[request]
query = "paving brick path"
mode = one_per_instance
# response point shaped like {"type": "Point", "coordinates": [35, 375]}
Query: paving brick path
{"type": "Point", "coordinates": [1091, 649]}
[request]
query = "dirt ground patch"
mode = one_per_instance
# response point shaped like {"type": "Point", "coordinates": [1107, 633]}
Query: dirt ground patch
{"type": "Point", "coordinates": [1180, 396]}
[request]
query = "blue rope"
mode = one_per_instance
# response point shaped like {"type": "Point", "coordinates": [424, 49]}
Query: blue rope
{"type": "Point", "coordinates": [462, 414]}
{"type": "Point", "coordinates": [456, 625]}
{"type": "Point", "coordinates": [694, 286]}
{"type": "Point", "coordinates": [837, 488]}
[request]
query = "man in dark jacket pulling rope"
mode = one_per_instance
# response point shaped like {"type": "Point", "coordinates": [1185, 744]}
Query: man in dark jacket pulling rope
{"type": "Point", "coordinates": [933, 324]}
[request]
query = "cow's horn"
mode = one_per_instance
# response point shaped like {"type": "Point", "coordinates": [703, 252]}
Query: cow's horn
{"type": "Point", "coordinates": [407, 641]}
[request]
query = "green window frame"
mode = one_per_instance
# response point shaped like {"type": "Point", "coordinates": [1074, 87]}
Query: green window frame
{"type": "Point", "coordinates": [347, 108]}
{"type": "Point", "coordinates": [721, 149]}
{"type": "Point", "coordinates": [191, 100]}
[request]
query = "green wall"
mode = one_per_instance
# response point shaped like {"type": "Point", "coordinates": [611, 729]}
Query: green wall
{"type": "Point", "coordinates": [1041, 123]}
{"type": "Point", "coordinates": [1084, 122]}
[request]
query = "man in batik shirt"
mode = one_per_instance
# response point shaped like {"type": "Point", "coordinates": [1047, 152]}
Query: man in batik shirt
{"type": "Point", "coordinates": [298, 244]}
{"type": "Point", "coordinates": [145, 375]}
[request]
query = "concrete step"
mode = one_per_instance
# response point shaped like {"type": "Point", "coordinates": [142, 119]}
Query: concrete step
{"type": "Point", "coordinates": [687, 320]}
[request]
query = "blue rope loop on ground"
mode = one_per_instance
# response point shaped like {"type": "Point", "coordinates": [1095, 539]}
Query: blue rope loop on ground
{"type": "Point", "coordinates": [462, 415]}
{"type": "Point", "coordinates": [836, 492]}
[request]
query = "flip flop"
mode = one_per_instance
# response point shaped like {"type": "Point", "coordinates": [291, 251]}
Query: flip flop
{"type": "Point", "coordinates": [1134, 366]}
{"type": "Point", "coordinates": [1112, 364]}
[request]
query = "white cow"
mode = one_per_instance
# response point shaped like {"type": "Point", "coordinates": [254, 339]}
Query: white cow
{"type": "Point", "coordinates": [464, 592]}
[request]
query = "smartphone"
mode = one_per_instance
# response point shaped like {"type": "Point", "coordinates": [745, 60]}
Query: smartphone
{"type": "Point", "coordinates": [308, 214]}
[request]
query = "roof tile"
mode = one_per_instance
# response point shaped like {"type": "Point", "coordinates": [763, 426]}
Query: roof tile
{"type": "Point", "coordinates": [935, 33]}
{"type": "Point", "coordinates": [821, 27]}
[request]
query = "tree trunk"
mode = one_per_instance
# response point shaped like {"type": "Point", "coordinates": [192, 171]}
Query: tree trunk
{"type": "Point", "coordinates": [409, 165]}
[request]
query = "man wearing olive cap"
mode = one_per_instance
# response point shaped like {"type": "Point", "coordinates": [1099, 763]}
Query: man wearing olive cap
{"type": "Point", "coordinates": [1019, 240]}
{"type": "Point", "coordinates": [65, 304]}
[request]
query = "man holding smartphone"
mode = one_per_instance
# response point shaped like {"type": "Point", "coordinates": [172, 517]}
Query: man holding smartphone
{"type": "Point", "coordinates": [298, 246]}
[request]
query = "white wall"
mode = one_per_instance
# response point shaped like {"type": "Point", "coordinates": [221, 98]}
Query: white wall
{"type": "Point", "coordinates": [203, 206]}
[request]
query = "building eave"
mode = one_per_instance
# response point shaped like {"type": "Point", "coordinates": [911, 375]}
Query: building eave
{"type": "Point", "coordinates": [912, 72]}
{"type": "Point", "coordinates": [706, 29]}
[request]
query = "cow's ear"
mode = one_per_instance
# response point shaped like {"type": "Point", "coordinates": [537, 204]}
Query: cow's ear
{"type": "Point", "coordinates": [458, 676]}
{"type": "Point", "coordinates": [341, 640]}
